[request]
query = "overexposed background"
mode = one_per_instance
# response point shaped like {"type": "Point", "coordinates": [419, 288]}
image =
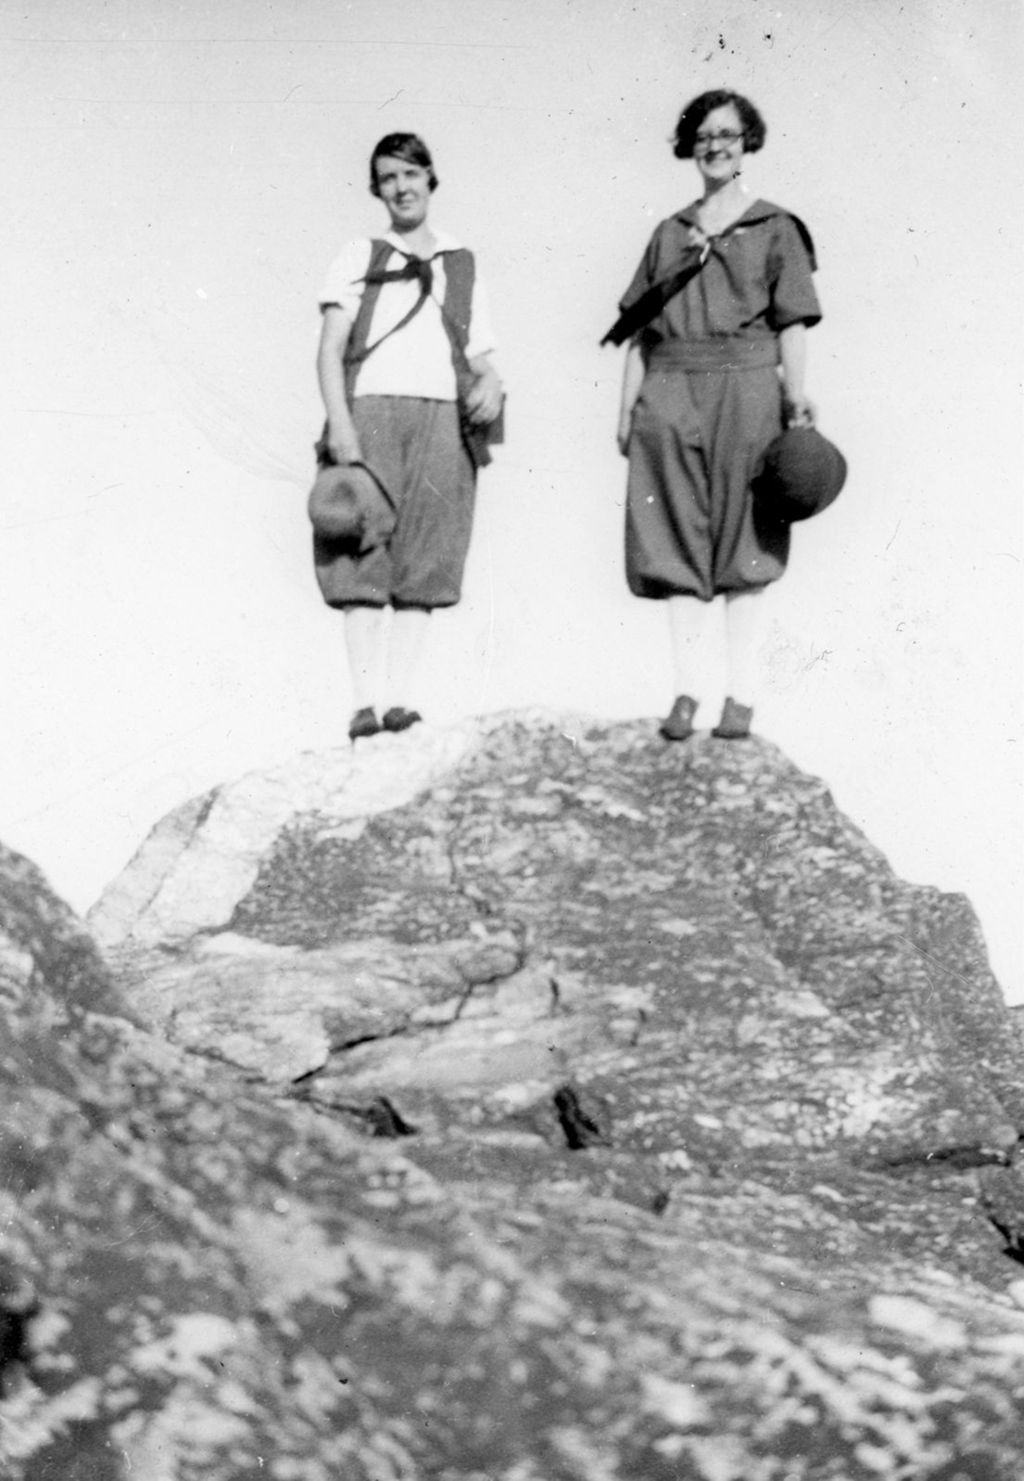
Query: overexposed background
{"type": "Point", "coordinates": [179, 175]}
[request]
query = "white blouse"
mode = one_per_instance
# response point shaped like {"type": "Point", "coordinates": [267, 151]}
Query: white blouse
{"type": "Point", "coordinates": [417, 361]}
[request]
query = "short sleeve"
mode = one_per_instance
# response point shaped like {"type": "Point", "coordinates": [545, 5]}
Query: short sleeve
{"type": "Point", "coordinates": [643, 278]}
{"type": "Point", "coordinates": [791, 286]}
{"type": "Point", "coordinates": [343, 284]}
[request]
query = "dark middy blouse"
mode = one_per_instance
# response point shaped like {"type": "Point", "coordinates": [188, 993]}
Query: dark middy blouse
{"type": "Point", "coordinates": [755, 281]}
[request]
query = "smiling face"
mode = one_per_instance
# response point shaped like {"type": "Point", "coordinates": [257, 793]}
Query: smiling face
{"type": "Point", "coordinates": [718, 146]}
{"type": "Point", "coordinates": [405, 190]}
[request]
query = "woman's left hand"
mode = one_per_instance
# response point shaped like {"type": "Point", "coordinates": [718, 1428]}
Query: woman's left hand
{"type": "Point", "coordinates": [484, 397]}
{"type": "Point", "coordinates": [799, 411]}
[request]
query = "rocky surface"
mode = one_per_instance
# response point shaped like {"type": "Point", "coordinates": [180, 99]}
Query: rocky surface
{"type": "Point", "coordinates": [524, 1101]}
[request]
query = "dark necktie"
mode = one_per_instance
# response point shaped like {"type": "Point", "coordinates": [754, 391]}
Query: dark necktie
{"type": "Point", "coordinates": [413, 268]}
{"type": "Point", "coordinates": [651, 303]}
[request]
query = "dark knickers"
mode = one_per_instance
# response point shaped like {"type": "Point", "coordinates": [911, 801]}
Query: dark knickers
{"type": "Point", "coordinates": [697, 439]}
{"type": "Point", "coordinates": [415, 448]}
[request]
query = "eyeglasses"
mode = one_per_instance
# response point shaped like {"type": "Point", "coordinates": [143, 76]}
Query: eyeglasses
{"type": "Point", "coordinates": [724, 136]}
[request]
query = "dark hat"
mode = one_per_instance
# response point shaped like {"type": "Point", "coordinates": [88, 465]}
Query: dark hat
{"type": "Point", "coordinates": [348, 503]}
{"type": "Point", "coordinates": [801, 474]}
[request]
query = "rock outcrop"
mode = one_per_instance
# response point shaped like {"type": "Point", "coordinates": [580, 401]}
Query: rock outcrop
{"type": "Point", "coordinates": [524, 1101]}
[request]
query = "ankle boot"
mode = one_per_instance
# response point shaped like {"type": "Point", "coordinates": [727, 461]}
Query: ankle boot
{"type": "Point", "coordinates": [678, 723]}
{"type": "Point", "coordinates": [735, 721]}
{"type": "Point", "coordinates": [399, 718]}
{"type": "Point", "coordinates": [363, 723]}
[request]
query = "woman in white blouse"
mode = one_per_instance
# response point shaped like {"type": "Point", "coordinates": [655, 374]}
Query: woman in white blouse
{"type": "Point", "coordinates": [405, 330]}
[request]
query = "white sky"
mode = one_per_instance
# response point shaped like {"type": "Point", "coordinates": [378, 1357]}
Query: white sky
{"type": "Point", "coordinates": [178, 177]}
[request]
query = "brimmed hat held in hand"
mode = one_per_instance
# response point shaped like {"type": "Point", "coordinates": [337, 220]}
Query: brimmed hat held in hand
{"type": "Point", "coordinates": [801, 475]}
{"type": "Point", "coordinates": [348, 503]}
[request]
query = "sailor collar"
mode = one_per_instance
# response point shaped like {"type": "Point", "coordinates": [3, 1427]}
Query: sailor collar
{"type": "Point", "coordinates": [444, 242]}
{"type": "Point", "coordinates": [758, 211]}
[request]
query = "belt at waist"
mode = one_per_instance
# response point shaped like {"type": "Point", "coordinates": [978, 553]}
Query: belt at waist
{"type": "Point", "coordinates": [725, 353]}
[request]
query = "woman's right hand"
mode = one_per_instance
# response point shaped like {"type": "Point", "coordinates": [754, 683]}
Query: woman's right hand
{"type": "Point", "coordinates": [342, 444]}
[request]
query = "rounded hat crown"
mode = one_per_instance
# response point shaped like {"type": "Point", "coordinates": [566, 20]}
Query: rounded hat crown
{"type": "Point", "coordinates": [347, 502]}
{"type": "Point", "coordinates": [802, 473]}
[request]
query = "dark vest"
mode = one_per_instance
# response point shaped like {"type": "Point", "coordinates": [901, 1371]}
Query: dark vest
{"type": "Point", "coordinates": [459, 271]}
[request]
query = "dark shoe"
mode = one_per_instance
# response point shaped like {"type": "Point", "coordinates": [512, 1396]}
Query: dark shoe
{"type": "Point", "coordinates": [735, 721]}
{"type": "Point", "coordinates": [678, 723]}
{"type": "Point", "coordinates": [363, 723]}
{"type": "Point", "coordinates": [398, 718]}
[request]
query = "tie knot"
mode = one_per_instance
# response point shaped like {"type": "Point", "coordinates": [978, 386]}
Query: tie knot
{"type": "Point", "coordinates": [419, 267]}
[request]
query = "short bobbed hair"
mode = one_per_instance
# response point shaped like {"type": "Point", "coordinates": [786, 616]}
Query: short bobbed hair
{"type": "Point", "coordinates": [409, 147]}
{"type": "Point", "coordinates": [694, 114]}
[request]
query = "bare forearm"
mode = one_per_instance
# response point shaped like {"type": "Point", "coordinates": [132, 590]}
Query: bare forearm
{"type": "Point", "coordinates": [632, 379]}
{"type": "Point", "coordinates": [341, 438]}
{"type": "Point", "coordinates": [331, 375]}
{"type": "Point", "coordinates": [793, 355]}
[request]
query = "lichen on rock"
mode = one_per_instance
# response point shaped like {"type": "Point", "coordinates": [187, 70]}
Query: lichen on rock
{"type": "Point", "coordinates": [531, 1102]}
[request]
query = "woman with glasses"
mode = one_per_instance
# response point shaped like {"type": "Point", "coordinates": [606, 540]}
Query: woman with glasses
{"type": "Point", "coordinates": [716, 318]}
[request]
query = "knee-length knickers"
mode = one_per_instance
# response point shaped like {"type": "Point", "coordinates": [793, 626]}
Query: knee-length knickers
{"type": "Point", "coordinates": [415, 447]}
{"type": "Point", "coordinates": [696, 441]}
{"type": "Point", "coordinates": [711, 402]}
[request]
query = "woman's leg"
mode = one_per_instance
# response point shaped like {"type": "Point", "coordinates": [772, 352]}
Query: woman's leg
{"type": "Point", "coordinates": [405, 646]}
{"type": "Point", "coordinates": [744, 614]}
{"type": "Point", "coordinates": [364, 638]}
{"type": "Point", "coordinates": [697, 635]}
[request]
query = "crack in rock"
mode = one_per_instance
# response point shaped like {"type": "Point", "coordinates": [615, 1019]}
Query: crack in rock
{"type": "Point", "coordinates": [381, 1116]}
{"type": "Point", "coordinates": [18, 1306]}
{"type": "Point", "coordinates": [579, 1127]}
{"type": "Point", "coordinates": [959, 1157]}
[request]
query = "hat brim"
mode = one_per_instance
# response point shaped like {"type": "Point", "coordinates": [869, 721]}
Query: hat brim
{"type": "Point", "coordinates": [348, 503]}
